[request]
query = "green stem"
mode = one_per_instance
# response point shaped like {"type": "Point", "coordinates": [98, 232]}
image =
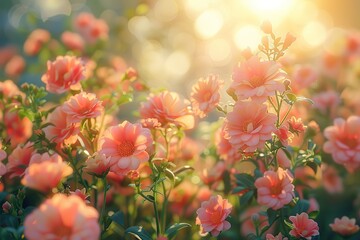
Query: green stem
{"type": "Point", "coordinates": [156, 211]}
{"type": "Point", "coordinates": [102, 214]}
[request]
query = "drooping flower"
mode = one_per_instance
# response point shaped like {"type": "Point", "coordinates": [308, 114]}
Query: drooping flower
{"type": "Point", "coordinates": [205, 95]}
{"type": "Point", "coordinates": [212, 214]}
{"type": "Point", "coordinates": [249, 125]}
{"type": "Point", "coordinates": [168, 108]}
{"type": "Point", "coordinates": [126, 145]}
{"type": "Point", "coordinates": [46, 174]}
{"type": "Point", "coordinates": [19, 159]}
{"type": "Point", "coordinates": [61, 131]}
{"type": "Point", "coordinates": [303, 227]}
{"type": "Point", "coordinates": [63, 74]}
{"type": "Point", "coordinates": [275, 189]}
{"type": "Point", "coordinates": [344, 142]}
{"type": "Point", "coordinates": [82, 106]}
{"type": "Point", "coordinates": [62, 217]}
{"type": "Point", "coordinates": [345, 226]}
{"type": "Point", "coordinates": [257, 80]}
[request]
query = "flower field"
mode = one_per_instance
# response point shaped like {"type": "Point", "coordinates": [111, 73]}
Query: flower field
{"type": "Point", "coordinates": [145, 120]}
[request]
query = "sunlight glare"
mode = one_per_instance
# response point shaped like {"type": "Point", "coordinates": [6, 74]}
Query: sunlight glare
{"type": "Point", "coordinates": [248, 36]}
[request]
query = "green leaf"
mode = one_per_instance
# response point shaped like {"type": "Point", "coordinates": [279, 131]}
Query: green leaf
{"type": "Point", "coordinates": [173, 229]}
{"type": "Point", "coordinates": [272, 215]}
{"type": "Point", "coordinates": [313, 214]}
{"type": "Point", "coordinates": [304, 99]}
{"type": "Point", "coordinates": [246, 198]}
{"type": "Point", "coordinates": [118, 218]}
{"type": "Point", "coordinates": [138, 232]}
{"type": "Point", "coordinates": [244, 179]}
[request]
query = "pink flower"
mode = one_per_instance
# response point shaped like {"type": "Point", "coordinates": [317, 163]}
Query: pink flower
{"type": "Point", "coordinates": [249, 130]}
{"type": "Point", "coordinates": [15, 66]}
{"type": "Point", "coordinates": [331, 180]}
{"type": "Point", "coordinates": [283, 159]}
{"type": "Point", "coordinates": [98, 165]}
{"type": "Point", "coordinates": [327, 101]}
{"type": "Point", "coordinates": [257, 80]}
{"type": "Point", "coordinates": [35, 41]}
{"type": "Point", "coordinates": [284, 135]}
{"type": "Point", "coordinates": [126, 146]}
{"type": "Point", "coordinates": [303, 77]}
{"type": "Point", "coordinates": [9, 89]}
{"type": "Point", "coordinates": [296, 125]}
{"type": "Point", "coordinates": [303, 227]}
{"type": "Point", "coordinates": [63, 74]}
{"type": "Point", "coordinates": [73, 41]}
{"type": "Point", "coordinates": [90, 28]}
{"type": "Point", "coordinates": [81, 194]}
{"type": "Point", "coordinates": [275, 189]}
{"type": "Point", "coordinates": [205, 95]}
{"type": "Point", "coordinates": [212, 214]}
{"type": "Point", "coordinates": [168, 108]}
{"type": "Point", "coordinates": [277, 237]}
{"type": "Point", "coordinates": [82, 106]}
{"type": "Point", "coordinates": [344, 142]}
{"type": "Point", "coordinates": [61, 131]}
{"type": "Point", "coordinates": [344, 226]}
{"type": "Point", "coordinates": [18, 129]}
{"type": "Point", "coordinates": [213, 174]}
{"type": "Point", "coordinates": [224, 148]}
{"type": "Point", "coordinates": [19, 159]}
{"type": "Point", "coordinates": [47, 174]}
{"type": "Point", "coordinates": [62, 217]}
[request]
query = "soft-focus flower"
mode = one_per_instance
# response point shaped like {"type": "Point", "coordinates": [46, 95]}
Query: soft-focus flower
{"type": "Point", "coordinates": [63, 74]}
{"type": "Point", "coordinates": [275, 189]}
{"type": "Point", "coordinates": [99, 165]}
{"type": "Point", "coordinates": [247, 217]}
{"type": "Point", "coordinates": [126, 146]}
{"type": "Point", "coordinates": [46, 175]}
{"type": "Point", "coordinates": [257, 80]}
{"type": "Point", "coordinates": [18, 130]}
{"type": "Point", "coordinates": [303, 77]}
{"type": "Point", "coordinates": [344, 226]}
{"type": "Point", "coordinates": [181, 199]}
{"type": "Point", "coordinates": [205, 95]}
{"type": "Point", "coordinates": [3, 169]}
{"type": "Point", "coordinates": [331, 180]}
{"type": "Point", "coordinates": [277, 237]}
{"type": "Point", "coordinates": [6, 207]}
{"type": "Point", "coordinates": [82, 106]}
{"type": "Point", "coordinates": [19, 159]}
{"type": "Point", "coordinates": [212, 214]}
{"type": "Point", "coordinates": [9, 89]}
{"type": "Point", "coordinates": [35, 41]}
{"type": "Point", "coordinates": [91, 28]}
{"type": "Point", "coordinates": [168, 108]}
{"type": "Point", "coordinates": [344, 142]}
{"type": "Point", "coordinates": [303, 227]}
{"type": "Point", "coordinates": [62, 217]}
{"type": "Point", "coordinates": [296, 125]}
{"type": "Point", "coordinates": [61, 131]}
{"type": "Point", "coordinates": [81, 193]}
{"type": "Point", "coordinates": [327, 101]}
{"type": "Point", "coordinates": [6, 53]}
{"type": "Point", "coordinates": [284, 135]}
{"type": "Point", "coordinates": [266, 27]}
{"type": "Point", "coordinates": [73, 41]}
{"type": "Point", "coordinates": [15, 66]}
{"type": "Point", "coordinates": [150, 123]}
{"type": "Point", "coordinates": [283, 159]}
{"type": "Point", "coordinates": [289, 39]}
{"type": "Point", "coordinates": [224, 148]}
{"type": "Point", "coordinates": [249, 125]}
{"type": "Point", "coordinates": [213, 174]}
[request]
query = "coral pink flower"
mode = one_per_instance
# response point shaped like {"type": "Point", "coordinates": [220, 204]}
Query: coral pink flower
{"type": "Point", "coordinates": [81, 194]}
{"type": "Point", "coordinates": [46, 175]}
{"type": "Point", "coordinates": [181, 199]}
{"type": "Point", "coordinates": [62, 217]}
{"type": "Point", "coordinates": [126, 146]}
{"type": "Point", "coordinates": [73, 41]}
{"type": "Point", "coordinates": [61, 131]}
{"type": "Point", "coordinates": [19, 159]}
{"type": "Point", "coordinates": [213, 174]}
{"type": "Point", "coordinates": [98, 165]}
{"type": "Point", "coordinates": [18, 130]}
{"type": "Point", "coordinates": [35, 41]}
{"type": "Point", "coordinates": [284, 135]}
{"type": "Point", "coordinates": [275, 189]}
{"type": "Point", "coordinates": [168, 108]}
{"type": "Point", "coordinates": [205, 95]}
{"type": "Point", "coordinates": [9, 89]}
{"type": "Point", "coordinates": [249, 130]}
{"type": "Point", "coordinates": [344, 142]}
{"type": "Point", "coordinates": [331, 180]}
{"type": "Point", "coordinates": [257, 80]}
{"type": "Point", "coordinates": [82, 106]}
{"type": "Point", "coordinates": [303, 77]}
{"type": "Point", "coordinates": [303, 227]}
{"type": "Point", "coordinates": [296, 125]}
{"type": "Point", "coordinates": [212, 214]}
{"type": "Point", "coordinates": [15, 66]}
{"type": "Point", "coordinates": [6, 53]}
{"type": "Point", "coordinates": [90, 28]}
{"type": "Point", "coordinates": [327, 101]}
{"type": "Point", "coordinates": [344, 226]}
{"type": "Point", "coordinates": [277, 237]}
{"type": "Point", "coordinates": [63, 74]}
{"type": "Point", "coordinates": [224, 148]}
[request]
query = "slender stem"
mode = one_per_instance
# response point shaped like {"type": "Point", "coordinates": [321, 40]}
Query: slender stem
{"type": "Point", "coordinates": [102, 214]}
{"type": "Point", "coordinates": [156, 211]}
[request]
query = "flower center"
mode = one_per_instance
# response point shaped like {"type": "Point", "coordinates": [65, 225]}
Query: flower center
{"type": "Point", "coordinates": [351, 141]}
{"type": "Point", "coordinates": [276, 189]}
{"type": "Point", "coordinates": [125, 149]}
{"type": "Point", "coordinates": [206, 97]}
{"type": "Point", "coordinates": [62, 231]}
{"type": "Point", "coordinates": [257, 81]}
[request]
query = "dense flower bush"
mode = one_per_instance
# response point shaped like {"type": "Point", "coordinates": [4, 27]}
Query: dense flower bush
{"type": "Point", "coordinates": [94, 152]}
